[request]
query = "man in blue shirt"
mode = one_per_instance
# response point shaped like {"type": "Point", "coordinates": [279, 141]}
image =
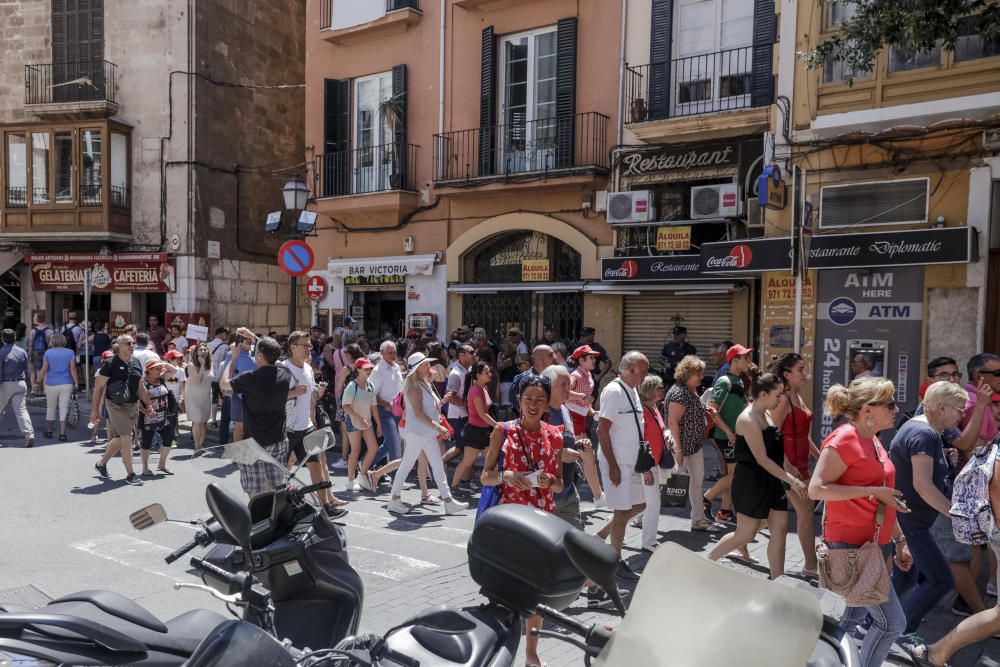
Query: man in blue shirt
{"type": "Point", "coordinates": [13, 383]}
{"type": "Point", "coordinates": [244, 364]}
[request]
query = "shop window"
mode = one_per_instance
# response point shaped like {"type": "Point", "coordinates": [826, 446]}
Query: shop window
{"type": "Point", "coordinates": [91, 165]}
{"type": "Point", "coordinates": [40, 158]}
{"type": "Point", "coordinates": [971, 45]}
{"type": "Point", "coordinates": [64, 167]}
{"type": "Point", "coordinates": [17, 170]}
{"type": "Point", "coordinates": [903, 62]}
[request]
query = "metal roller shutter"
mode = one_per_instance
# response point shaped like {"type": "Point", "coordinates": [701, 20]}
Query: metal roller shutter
{"type": "Point", "coordinates": [649, 320]}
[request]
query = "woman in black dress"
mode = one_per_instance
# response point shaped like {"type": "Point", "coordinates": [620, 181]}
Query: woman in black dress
{"type": "Point", "coordinates": [758, 482]}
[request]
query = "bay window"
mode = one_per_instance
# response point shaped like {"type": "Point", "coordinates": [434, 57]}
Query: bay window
{"type": "Point", "coordinates": [90, 165]}
{"type": "Point", "coordinates": [17, 170]}
{"type": "Point", "coordinates": [40, 148]}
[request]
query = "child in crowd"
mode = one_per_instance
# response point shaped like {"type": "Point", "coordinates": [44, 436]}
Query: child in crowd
{"type": "Point", "coordinates": [154, 418]}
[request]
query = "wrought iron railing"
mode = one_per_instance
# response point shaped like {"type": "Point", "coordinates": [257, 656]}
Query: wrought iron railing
{"type": "Point", "coordinates": [708, 83]}
{"type": "Point", "coordinates": [326, 10]}
{"type": "Point", "coordinates": [119, 196]}
{"type": "Point", "coordinates": [17, 197]}
{"type": "Point", "coordinates": [90, 195]}
{"type": "Point", "coordinates": [523, 147]}
{"type": "Point", "coordinates": [364, 170]}
{"type": "Point", "coordinates": [71, 82]}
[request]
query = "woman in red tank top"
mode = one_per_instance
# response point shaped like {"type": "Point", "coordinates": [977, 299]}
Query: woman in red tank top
{"type": "Point", "coordinates": [794, 419]}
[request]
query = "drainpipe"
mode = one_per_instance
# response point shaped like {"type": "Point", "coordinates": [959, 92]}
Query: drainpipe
{"type": "Point", "coordinates": [441, 8]}
{"type": "Point", "coordinates": [621, 90]}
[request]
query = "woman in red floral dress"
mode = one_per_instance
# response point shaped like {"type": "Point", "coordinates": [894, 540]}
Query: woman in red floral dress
{"type": "Point", "coordinates": [532, 469]}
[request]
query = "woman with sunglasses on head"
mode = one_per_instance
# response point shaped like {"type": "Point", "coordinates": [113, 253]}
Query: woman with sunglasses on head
{"type": "Point", "coordinates": [917, 451]}
{"type": "Point", "coordinates": [794, 419]}
{"type": "Point", "coordinates": [759, 496]}
{"type": "Point", "coordinates": [532, 468]}
{"type": "Point", "coordinates": [856, 478]}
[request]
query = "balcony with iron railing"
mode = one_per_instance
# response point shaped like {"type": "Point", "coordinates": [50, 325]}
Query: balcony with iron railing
{"type": "Point", "coordinates": [694, 86]}
{"type": "Point", "coordinates": [366, 180]}
{"type": "Point", "coordinates": [397, 17]}
{"type": "Point", "coordinates": [76, 90]}
{"type": "Point", "coordinates": [548, 146]}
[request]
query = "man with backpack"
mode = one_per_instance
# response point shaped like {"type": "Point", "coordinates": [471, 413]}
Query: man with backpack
{"type": "Point", "coordinates": [13, 383]}
{"type": "Point", "coordinates": [73, 331]}
{"type": "Point", "coordinates": [40, 335]}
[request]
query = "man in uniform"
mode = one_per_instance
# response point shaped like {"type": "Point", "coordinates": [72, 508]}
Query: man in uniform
{"type": "Point", "coordinates": [673, 352]}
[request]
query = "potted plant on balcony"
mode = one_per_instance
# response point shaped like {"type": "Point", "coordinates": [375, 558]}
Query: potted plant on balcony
{"type": "Point", "coordinates": [392, 113]}
{"type": "Point", "coordinates": [638, 110]}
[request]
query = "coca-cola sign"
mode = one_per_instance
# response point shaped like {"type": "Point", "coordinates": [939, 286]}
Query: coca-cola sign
{"type": "Point", "coordinates": [746, 256]}
{"type": "Point", "coordinates": [672, 267]}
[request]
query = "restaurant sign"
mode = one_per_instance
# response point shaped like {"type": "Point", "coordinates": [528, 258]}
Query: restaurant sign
{"type": "Point", "coordinates": [705, 156]}
{"type": "Point", "coordinates": [132, 272]}
{"type": "Point", "coordinates": [949, 245]}
{"type": "Point", "coordinates": [674, 267]}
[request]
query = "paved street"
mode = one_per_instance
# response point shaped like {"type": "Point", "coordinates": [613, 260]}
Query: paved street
{"type": "Point", "coordinates": [65, 529]}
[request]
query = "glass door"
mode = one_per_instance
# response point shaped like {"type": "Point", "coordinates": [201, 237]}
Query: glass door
{"type": "Point", "coordinates": [373, 147]}
{"type": "Point", "coordinates": [528, 102]}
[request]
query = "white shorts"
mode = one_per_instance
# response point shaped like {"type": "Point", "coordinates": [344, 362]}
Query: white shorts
{"type": "Point", "coordinates": [626, 495]}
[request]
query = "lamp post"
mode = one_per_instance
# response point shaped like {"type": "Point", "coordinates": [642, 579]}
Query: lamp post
{"type": "Point", "coordinates": [296, 195]}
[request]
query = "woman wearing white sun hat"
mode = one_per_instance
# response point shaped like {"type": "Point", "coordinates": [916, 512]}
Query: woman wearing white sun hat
{"type": "Point", "coordinates": [421, 429]}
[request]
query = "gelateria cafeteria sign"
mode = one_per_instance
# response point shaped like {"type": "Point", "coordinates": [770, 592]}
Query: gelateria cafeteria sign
{"type": "Point", "coordinates": [134, 272]}
{"type": "Point", "coordinates": [950, 245]}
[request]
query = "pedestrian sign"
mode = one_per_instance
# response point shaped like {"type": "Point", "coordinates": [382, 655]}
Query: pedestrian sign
{"type": "Point", "coordinates": [295, 258]}
{"type": "Point", "coordinates": [316, 288]}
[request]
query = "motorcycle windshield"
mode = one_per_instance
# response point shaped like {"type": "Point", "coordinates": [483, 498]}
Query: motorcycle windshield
{"type": "Point", "coordinates": [248, 452]}
{"type": "Point", "coordinates": [685, 603]}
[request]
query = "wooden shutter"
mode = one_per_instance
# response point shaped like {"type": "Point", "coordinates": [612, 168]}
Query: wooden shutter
{"type": "Point", "coordinates": [399, 131]}
{"type": "Point", "coordinates": [566, 31]}
{"type": "Point", "coordinates": [336, 163]}
{"type": "Point", "coordinates": [661, 37]}
{"type": "Point", "coordinates": [762, 79]}
{"type": "Point", "coordinates": [77, 47]}
{"type": "Point", "coordinates": [488, 104]}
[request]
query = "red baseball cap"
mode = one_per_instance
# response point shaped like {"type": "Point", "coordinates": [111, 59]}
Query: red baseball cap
{"type": "Point", "coordinates": [582, 351]}
{"type": "Point", "coordinates": [174, 354]}
{"type": "Point", "coordinates": [737, 351]}
{"type": "Point", "coordinates": [107, 354]}
{"type": "Point", "coordinates": [364, 362]}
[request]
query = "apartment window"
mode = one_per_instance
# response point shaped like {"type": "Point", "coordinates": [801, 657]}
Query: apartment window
{"type": "Point", "coordinates": [119, 170]}
{"type": "Point", "coordinates": [64, 167]}
{"type": "Point", "coordinates": [713, 59]}
{"type": "Point", "coordinates": [528, 101]}
{"type": "Point", "coordinates": [91, 163]}
{"type": "Point", "coordinates": [372, 133]}
{"type": "Point", "coordinates": [17, 170]}
{"type": "Point", "coordinates": [970, 45]}
{"type": "Point", "coordinates": [41, 148]}
{"type": "Point", "coordinates": [349, 13]}
{"type": "Point", "coordinates": [838, 12]}
{"type": "Point", "coordinates": [835, 70]}
{"type": "Point", "coordinates": [903, 62]}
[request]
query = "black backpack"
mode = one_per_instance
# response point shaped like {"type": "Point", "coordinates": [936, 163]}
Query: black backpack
{"type": "Point", "coordinates": [70, 336]}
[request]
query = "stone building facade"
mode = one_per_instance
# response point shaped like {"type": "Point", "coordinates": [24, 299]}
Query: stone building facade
{"type": "Point", "coordinates": [202, 100]}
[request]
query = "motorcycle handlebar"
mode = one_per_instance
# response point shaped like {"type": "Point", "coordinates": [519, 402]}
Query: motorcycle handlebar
{"type": "Point", "coordinates": [216, 571]}
{"type": "Point", "coordinates": [183, 550]}
{"type": "Point", "coordinates": [314, 487]}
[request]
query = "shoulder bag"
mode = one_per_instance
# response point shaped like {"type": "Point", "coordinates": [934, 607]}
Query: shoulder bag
{"type": "Point", "coordinates": [644, 461]}
{"type": "Point", "coordinates": [858, 575]}
{"type": "Point", "coordinates": [490, 495]}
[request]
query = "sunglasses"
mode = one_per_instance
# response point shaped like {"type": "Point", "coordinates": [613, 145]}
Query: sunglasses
{"type": "Point", "coordinates": [888, 405]}
{"type": "Point", "coordinates": [995, 373]}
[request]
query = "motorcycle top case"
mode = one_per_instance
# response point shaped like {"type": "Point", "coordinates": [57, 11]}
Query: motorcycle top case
{"type": "Point", "coordinates": [516, 555]}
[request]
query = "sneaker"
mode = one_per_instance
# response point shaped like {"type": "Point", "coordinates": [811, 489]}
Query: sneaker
{"type": "Point", "coordinates": [454, 507]}
{"type": "Point", "coordinates": [725, 516]}
{"type": "Point", "coordinates": [397, 506]}
{"type": "Point", "coordinates": [334, 512]}
{"type": "Point", "coordinates": [133, 480]}
{"type": "Point", "coordinates": [340, 465]}
{"type": "Point", "coordinates": [960, 608]}
{"type": "Point", "coordinates": [625, 573]}
{"type": "Point", "coordinates": [596, 596]}
{"type": "Point", "coordinates": [363, 482]}
{"type": "Point", "coordinates": [600, 502]}
{"type": "Point", "coordinates": [101, 470]}
{"type": "Point", "coordinates": [355, 486]}
{"type": "Point", "coordinates": [30, 442]}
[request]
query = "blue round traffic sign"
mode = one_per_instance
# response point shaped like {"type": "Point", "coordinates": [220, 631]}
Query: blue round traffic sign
{"type": "Point", "coordinates": [295, 258]}
{"type": "Point", "coordinates": [842, 311]}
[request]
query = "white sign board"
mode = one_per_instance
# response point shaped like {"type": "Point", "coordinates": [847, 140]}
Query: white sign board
{"type": "Point", "coordinates": [196, 332]}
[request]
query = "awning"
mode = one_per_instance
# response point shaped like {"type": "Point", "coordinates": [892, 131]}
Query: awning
{"type": "Point", "coordinates": [487, 288]}
{"type": "Point", "coordinates": [677, 288]}
{"type": "Point", "coordinates": [368, 267]}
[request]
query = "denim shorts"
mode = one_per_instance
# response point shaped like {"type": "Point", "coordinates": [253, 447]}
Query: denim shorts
{"type": "Point", "coordinates": [351, 428]}
{"type": "Point", "coordinates": [953, 550]}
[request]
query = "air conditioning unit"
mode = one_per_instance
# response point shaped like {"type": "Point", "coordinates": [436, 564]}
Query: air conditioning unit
{"type": "Point", "coordinates": [716, 201]}
{"type": "Point", "coordinates": [635, 206]}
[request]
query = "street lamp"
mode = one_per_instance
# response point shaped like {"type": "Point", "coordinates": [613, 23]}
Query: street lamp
{"type": "Point", "coordinates": [296, 195]}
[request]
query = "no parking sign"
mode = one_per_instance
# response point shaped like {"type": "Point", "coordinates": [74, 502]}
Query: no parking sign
{"type": "Point", "coordinates": [295, 258]}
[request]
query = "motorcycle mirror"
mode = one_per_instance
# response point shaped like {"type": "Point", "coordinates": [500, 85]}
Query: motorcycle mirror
{"type": "Point", "coordinates": [232, 515]}
{"type": "Point", "coordinates": [597, 560]}
{"type": "Point", "coordinates": [148, 517]}
{"type": "Point", "coordinates": [318, 441]}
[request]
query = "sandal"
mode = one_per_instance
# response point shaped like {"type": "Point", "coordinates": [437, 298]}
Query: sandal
{"type": "Point", "coordinates": [164, 471]}
{"type": "Point", "coordinates": [429, 500]}
{"type": "Point", "coordinates": [919, 654]}
{"type": "Point", "coordinates": [740, 558]}
{"type": "Point", "coordinates": [47, 434]}
{"type": "Point", "coordinates": [705, 527]}
{"type": "Point", "coordinates": [62, 437]}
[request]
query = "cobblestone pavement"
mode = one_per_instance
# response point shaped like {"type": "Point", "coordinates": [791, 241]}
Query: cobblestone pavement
{"type": "Point", "coordinates": [80, 538]}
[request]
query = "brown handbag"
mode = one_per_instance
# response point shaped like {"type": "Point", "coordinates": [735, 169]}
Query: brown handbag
{"type": "Point", "coordinates": [859, 575]}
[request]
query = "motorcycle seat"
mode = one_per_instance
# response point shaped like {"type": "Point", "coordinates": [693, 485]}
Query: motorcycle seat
{"type": "Point", "coordinates": [116, 605]}
{"type": "Point", "coordinates": [195, 624]}
{"type": "Point", "coordinates": [431, 646]}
